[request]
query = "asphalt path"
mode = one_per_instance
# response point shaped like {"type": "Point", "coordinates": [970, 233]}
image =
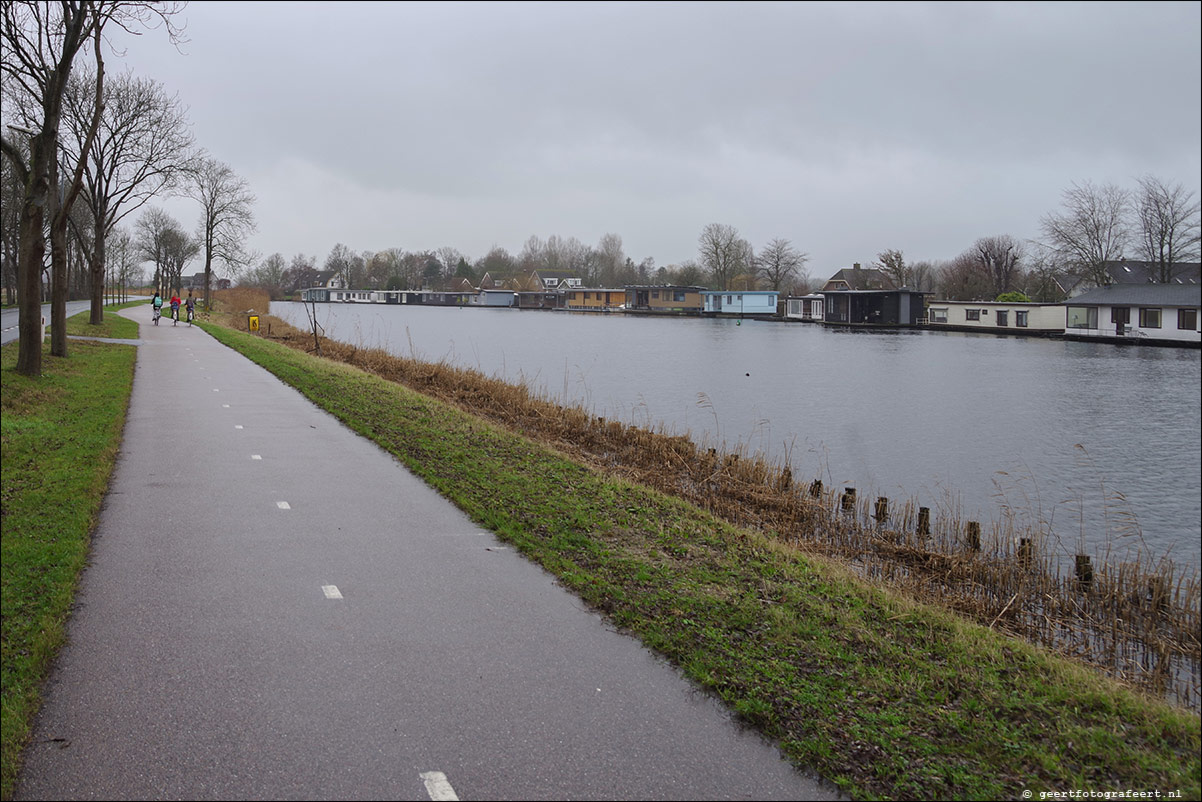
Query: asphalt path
{"type": "Point", "coordinates": [275, 609]}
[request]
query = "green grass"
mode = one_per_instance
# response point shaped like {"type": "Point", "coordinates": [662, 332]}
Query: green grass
{"type": "Point", "coordinates": [113, 327]}
{"type": "Point", "coordinates": [60, 435]}
{"type": "Point", "coordinates": [883, 696]}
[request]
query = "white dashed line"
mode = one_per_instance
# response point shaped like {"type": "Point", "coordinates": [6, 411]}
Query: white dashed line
{"type": "Point", "coordinates": [225, 406]}
{"type": "Point", "coordinates": [331, 591]}
{"type": "Point", "coordinates": [216, 390]}
{"type": "Point", "coordinates": [237, 425]}
{"type": "Point", "coordinates": [283, 505]}
{"type": "Point", "coordinates": [256, 456]}
{"type": "Point", "coordinates": [438, 787]}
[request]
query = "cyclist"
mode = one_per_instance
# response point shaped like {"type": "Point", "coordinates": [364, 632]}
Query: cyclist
{"type": "Point", "coordinates": [174, 309]}
{"type": "Point", "coordinates": [157, 303]}
{"type": "Point", "coordinates": [190, 304]}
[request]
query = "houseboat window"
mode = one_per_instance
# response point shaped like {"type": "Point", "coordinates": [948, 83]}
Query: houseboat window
{"type": "Point", "coordinates": [972, 314]}
{"type": "Point", "coordinates": [655, 295]}
{"type": "Point", "coordinates": [1187, 319]}
{"type": "Point", "coordinates": [938, 315]}
{"type": "Point", "coordinates": [1149, 318]}
{"type": "Point", "coordinates": [1081, 317]}
{"type": "Point", "coordinates": [1020, 319]}
{"type": "Point", "coordinates": [1120, 314]}
{"type": "Point", "coordinates": [678, 296]}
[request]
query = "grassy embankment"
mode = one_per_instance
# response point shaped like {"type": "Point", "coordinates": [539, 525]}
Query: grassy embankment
{"type": "Point", "coordinates": [60, 436]}
{"type": "Point", "coordinates": [884, 696]}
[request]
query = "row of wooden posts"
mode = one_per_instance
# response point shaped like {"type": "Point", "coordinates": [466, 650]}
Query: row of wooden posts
{"type": "Point", "coordinates": [972, 531]}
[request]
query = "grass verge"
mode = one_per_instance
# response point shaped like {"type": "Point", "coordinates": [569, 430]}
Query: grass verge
{"type": "Point", "coordinates": [113, 326]}
{"type": "Point", "coordinates": [60, 435]}
{"type": "Point", "coordinates": [885, 697]}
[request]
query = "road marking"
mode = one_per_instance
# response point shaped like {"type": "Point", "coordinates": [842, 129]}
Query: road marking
{"type": "Point", "coordinates": [283, 505]}
{"type": "Point", "coordinates": [331, 591]}
{"type": "Point", "coordinates": [237, 425]}
{"type": "Point", "coordinates": [225, 406]}
{"type": "Point", "coordinates": [216, 390]}
{"type": "Point", "coordinates": [438, 787]}
{"type": "Point", "coordinates": [256, 456]}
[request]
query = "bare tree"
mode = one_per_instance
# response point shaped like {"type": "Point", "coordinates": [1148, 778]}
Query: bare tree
{"type": "Point", "coordinates": [923, 275]}
{"type": "Point", "coordinates": [779, 263]}
{"type": "Point", "coordinates": [121, 254]}
{"type": "Point", "coordinates": [1000, 260]}
{"type": "Point", "coordinates": [340, 261]}
{"type": "Point", "coordinates": [723, 254]}
{"type": "Point", "coordinates": [227, 216]}
{"type": "Point", "coordinates": [1091, 231]}
{"type": "Point", "coordinates": [1168, 226]}
{"type": "Point", "coordinates": [301, 273]}
{"type": "Point", "coordinates": [142, 149]}
{"type": "Point", "coordinates": [612, 260]}
{"type": "Point", "coordinates": [449, 258]}
{"type": "Point", "coordinates": [150, 239]}
{"type": "Point", "coordinates": [963, 280]}
{"type": "Point", "coordinates": [893, 264]}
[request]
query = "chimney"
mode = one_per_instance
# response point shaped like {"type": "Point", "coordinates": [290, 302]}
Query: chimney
{"type": "Point", "coordinates": [856, 266]}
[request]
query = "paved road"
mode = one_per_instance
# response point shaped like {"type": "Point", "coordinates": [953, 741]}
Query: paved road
{"type": "Point", "coordinates": [275, 609]}
{"type": "Point", "coordinates": [10, 317]}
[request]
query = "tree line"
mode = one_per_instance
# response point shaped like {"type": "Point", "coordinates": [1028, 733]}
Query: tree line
{"type": "Point", "coordinates": [1157, 223]}
{"type": "Point", "coordinates": [83, 150]}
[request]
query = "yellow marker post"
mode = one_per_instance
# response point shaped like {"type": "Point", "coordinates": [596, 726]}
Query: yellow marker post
{"type": "Point", "coordinates": [254, 323]}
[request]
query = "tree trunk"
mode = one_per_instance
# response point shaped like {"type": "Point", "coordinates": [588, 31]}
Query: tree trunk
{"type": "Point", "coordinates": [97, 270]}
{"type": "Point", "coordinates": [29, 291]}
{"type": "Point", "coordinates": [208, 275]}
{"type": "Point", "coordinates": [58, 283]}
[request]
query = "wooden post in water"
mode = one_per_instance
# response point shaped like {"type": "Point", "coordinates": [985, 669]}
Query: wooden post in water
{"type": "Point", "coordinates": [924, 521]}
{"type": "Point", "coordinates": [1084, 572]}
{"type": "Point", "coordinates": [849, 499]}
{"type": "Point", "coordinates": [1025, 552]}
{"type": "Point", "coordinates": [974, 536]}
{"type": "Point", "coordinates": [785, 483]}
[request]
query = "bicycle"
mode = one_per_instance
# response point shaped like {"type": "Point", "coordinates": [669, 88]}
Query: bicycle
{"type": "Point", "coordinates": [158, 313]}
{"type": "Point", "coordinates": [191, 315]}
{"type": "Point", "coordinates": [174, 315]}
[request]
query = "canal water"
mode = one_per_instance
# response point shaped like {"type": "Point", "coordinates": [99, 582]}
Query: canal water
{"type": "Point", "coordinates": [1103, 443]}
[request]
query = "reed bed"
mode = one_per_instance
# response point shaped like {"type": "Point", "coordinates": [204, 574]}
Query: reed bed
{"type": "Point", "coordinates": [1136, 619]}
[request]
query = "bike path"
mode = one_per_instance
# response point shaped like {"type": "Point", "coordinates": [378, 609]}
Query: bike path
{"type": "Point", "coordinates": [274, 608]}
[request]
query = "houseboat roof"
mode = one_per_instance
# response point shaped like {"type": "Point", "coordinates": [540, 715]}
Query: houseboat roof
{"type": "Point", "coordinates": [1141, 294]}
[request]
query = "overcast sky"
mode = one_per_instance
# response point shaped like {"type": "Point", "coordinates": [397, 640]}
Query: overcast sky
{"type": "Point", "coordinates": [847, 128]}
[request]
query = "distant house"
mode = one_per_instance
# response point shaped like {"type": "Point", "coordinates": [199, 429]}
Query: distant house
{"type": "Point", "coordinates": [760, 303]}
{"type": "Point", "coordinates": [496, 298]}
{"type": "Point", "coordinates": [197, 281]}
{"type": "Point", "coordinates": [594, 300]}
{"type": "Point", "coordinates": [1131, 271]}
{"type": "Point", "coordinates": [859, 278]}
{"type": "Point", "coordinates": [805, 307]}
{"type": "Point", "coordinates": [895, 308]}
{"type": "Point", "coordinates": [540, 300]}
{"type": "Point", "coordinates": [555, 280]}
{"type": "Point", "coordinates": [996, 317]}
{"type": "Point", "coordinates": [664, 299]}
{"type": "Point", "coordinates": [1163, 314]}
{"type": "Point", "coordinates": [492, 280]}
